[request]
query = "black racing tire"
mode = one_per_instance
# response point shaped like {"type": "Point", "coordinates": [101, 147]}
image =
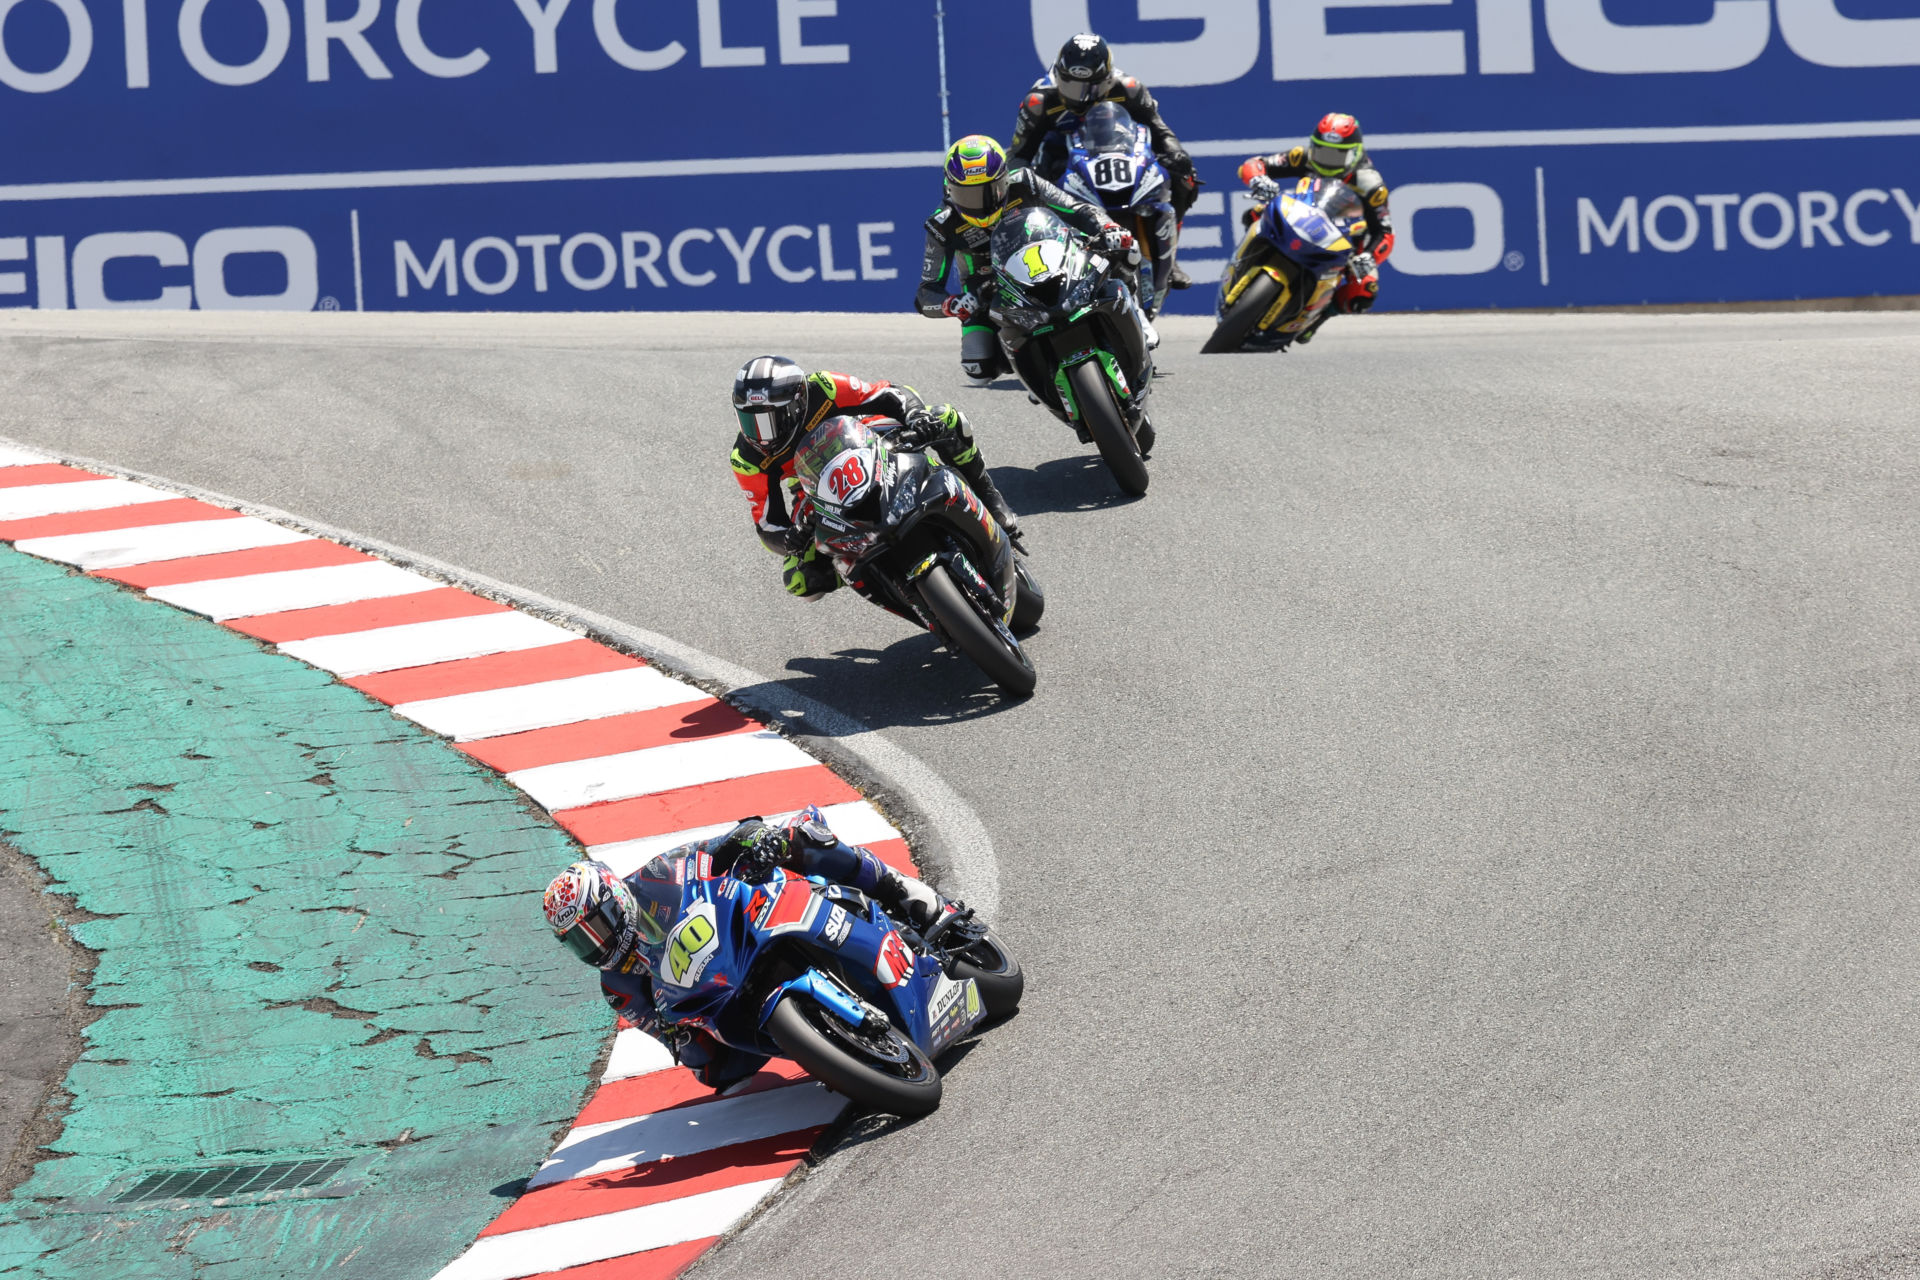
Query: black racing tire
{"type": "Point", "coordinates": [1242, 317]}
{"type": "Point", "coordinates": [1101, 417]}
{"type": "Point", "coordinates": [1029, 598]}
{"type": "Point", "coordinates": [1010, 668]}
{"type": "Point", "coordinates": [989, 963]}
{"type": "Point", "coordinates": [817, 1039]}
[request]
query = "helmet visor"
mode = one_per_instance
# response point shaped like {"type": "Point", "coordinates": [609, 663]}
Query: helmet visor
{"type": "Point", "coordinates": [765, 425]}
{"type": "Point", "coordinates": [1330, 159]}
{"type": "Point", "coordinates": [978, 199]}
{"type": "Point", "coordinates": [595, 934]}
{"type": "Point", "coordinates": [1079, 93]}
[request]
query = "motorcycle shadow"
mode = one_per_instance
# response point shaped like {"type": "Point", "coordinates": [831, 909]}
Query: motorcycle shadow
{"type": "Point", "coordinates": [859, 1127]}
{"type": "Point", "coordinates": [1078, 482]}
{"type": "Point", "coordinates": [913, 681]}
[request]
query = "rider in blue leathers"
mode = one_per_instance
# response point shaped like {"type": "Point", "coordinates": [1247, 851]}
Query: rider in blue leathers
{"type": "Point", "coordinates": [619, 925]}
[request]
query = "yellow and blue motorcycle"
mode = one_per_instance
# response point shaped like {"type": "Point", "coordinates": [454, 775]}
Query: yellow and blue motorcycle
{"type": "Point", "coordinates": [1287, 269]}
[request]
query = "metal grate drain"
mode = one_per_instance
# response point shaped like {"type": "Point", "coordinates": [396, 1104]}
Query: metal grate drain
{"type": "Point", "coordinates": [231, 1180]}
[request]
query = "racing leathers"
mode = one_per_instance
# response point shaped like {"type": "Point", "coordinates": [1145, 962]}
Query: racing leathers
{"type": "Point", "coordinates": [766, 474]}
{"type": "Point", "coordinates": [1044, 117]}
{"type": "Point", "coordinates": [1265, 174]}
{"type": "Point", "coordinates": [951, 238]}
{"type": "Point", "coordinates": [805, 845]}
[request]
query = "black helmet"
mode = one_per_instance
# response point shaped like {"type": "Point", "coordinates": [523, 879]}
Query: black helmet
{"type": "Point", "coordinates": [1083, 73]}
{"type": "Point", "coordinates": [770, 398]}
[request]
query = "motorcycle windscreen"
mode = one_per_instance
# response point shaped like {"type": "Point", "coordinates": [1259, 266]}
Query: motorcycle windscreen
{"type": "Point", "coordinates": [839, 463]}
{"type": "Point", "coordinates": [1033, 255]}
{"type": "Point", "coordinates": [1107, 127]}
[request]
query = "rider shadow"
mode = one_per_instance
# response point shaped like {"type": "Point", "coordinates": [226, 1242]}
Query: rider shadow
{"type": "Point", "coordinates": [913, 681]}
{"type": "Point", "coordinates": [1077, 482]}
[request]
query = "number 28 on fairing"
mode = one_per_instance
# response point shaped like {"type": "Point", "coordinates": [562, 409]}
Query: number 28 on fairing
{"type": "Point", "coordinates": [848, 476]}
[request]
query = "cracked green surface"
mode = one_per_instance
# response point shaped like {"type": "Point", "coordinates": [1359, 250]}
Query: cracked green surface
{"type": "Point", "coordinates": [320, 938]}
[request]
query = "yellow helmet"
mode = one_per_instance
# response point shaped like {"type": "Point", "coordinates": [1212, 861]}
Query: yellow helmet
{"type": "Point", "coordinates": [976, 172]}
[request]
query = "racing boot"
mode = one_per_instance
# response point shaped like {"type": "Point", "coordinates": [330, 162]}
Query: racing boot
{"type": "Point", "coordinates": [911, 898]}
{"type": "Point", "coordinates": [1177, 278]}
{"type": "Point", "coordinates": [995, 501]}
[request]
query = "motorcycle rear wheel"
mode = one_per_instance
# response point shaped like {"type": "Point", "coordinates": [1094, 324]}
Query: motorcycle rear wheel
{"type": "Point", "coordinates": [975, 637]}
{"type": "Point", "coordinates": [1101, 417]}
{"type": "Point", "coordinates": [989, 963]}
{"type": "Point", "coordinates": [830, 1051]}
{"type": "Point", "coordinates": [1242, 317]}
{"type": "Point", "coordinates": [1029, 600]}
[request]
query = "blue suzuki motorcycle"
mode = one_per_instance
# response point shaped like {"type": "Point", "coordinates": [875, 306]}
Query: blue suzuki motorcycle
{"type": "Point", "coordinates": [1285, 273]}
{"type": "Point", "coordinates": [1110, 162]}
{"type": "Point", "coordinates": [818, 972]}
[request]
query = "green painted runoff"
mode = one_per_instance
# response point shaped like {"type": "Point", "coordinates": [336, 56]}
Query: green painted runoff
{"type": "Point", "coordinates": [320, 937]}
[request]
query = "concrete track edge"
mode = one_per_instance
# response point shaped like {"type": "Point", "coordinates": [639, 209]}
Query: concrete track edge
{"type": "Point", "coordinates": [947, 836]}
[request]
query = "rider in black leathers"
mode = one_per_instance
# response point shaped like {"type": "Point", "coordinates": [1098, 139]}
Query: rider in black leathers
{"type": "Point", "coordinates": [1082, 75]}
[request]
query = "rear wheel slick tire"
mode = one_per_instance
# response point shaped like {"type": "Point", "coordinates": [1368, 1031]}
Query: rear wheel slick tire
{"type": "Point", "coordinates": [990, 964]}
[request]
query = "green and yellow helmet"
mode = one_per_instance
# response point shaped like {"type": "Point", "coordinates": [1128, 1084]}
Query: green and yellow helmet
{"type": "Point", "coordinates": [976, 173]}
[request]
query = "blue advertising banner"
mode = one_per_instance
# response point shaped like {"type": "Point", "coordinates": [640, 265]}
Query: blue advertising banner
{"type": "Point", "coordinates": [782, 154]}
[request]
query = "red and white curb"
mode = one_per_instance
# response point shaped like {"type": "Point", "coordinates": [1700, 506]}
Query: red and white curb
{"type": "Point", "coordinates": [629, 760]}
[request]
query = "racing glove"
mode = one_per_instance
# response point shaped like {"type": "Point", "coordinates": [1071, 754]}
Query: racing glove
{"type": "Point", "coordinates": [1361, 265]}
{"type": "Point", "coordinates": [1114, 240]}
{"type": "Point", "coordinates": [1263, 188]}
{"type": "Point", "coordinates": [765, 850]}
{"type": "Point", "coordinates": [961, 308]}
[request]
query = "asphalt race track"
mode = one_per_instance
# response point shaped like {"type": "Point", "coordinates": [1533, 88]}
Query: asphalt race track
{"type": "Point", "coordinates": [1466, 823]}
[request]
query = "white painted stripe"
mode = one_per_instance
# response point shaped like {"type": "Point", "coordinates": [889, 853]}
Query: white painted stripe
{"type": "Point", "coordinates": [14, 456]}
{"type": "Point", "coordinates": [644, 773]}
{"type": "Point", "coordinates": [416, 644]}
{"type": "Point", "coordinates": [31, 500]}
{"type": "Point", "coordinates": [856, 822]}
{"type": "Point", "coordinates": [468, 716]}
{"type": "Point", "coordinates": [635, 1053]}
{"type": "Point", "coordinates": [118, 548]}
{"type": "Point", "coordinates": [257, 593]}
{"type": "Point", "coordinates": [856, 162]}
{"type": "Point", "coordinates": [610, 1235]}
{"type": "Point", "coordinates": [1636, 136]}
{"type": "Point", "coordinates": [367, 180]}
{"type": "Point", "coordinates": [595, 1149]}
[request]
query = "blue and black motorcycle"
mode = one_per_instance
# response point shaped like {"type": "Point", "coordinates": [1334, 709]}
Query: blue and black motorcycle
{"type": "Point", "coordinates": [1110, 162]}
{"type": "Point", "coordinates": [1285, 273]}
{"type": "Point", "coordinates": [818, 972]}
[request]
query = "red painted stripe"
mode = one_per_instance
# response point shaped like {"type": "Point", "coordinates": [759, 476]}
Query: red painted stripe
{"type": "Point", "coordinates": [315, 553]}
{"type": "Point", "coordinates": [634, 731]}
{"type": "Point", "coordinates": [44, 473]}
{"type": "Point", "coordinates": [675, 1087]}
{"type": "Point", "coordinates": [701, 806]}
{"type": "Point", "coordinates": [895, 854]}
{"type": "Point", "coordinates": [655, 1182]}
{"type": "Point", "coordinates": [795, 897]}
{"type": "Point", "coordinates": [139, 515]}
{"type": "Point", "coordinates": [654, 1264]}
{"type": "Point", "coordinates": [365, 615]}
{"type": "Point", "coordinates": [494, 671]}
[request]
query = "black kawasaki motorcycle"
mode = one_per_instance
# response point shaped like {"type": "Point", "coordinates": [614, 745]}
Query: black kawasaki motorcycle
{"type": "Point", "coordinates": [1071, 329]}
{"type": "Point", "coordinates": [906, 532]}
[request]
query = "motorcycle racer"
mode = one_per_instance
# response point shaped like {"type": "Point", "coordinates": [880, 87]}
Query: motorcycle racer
{"type": "Point", "coordinates": [777, 403]}
{"type": "Point", "coordinates": [1082, 75]}
{"type": "Point", "coordinates": [619, 924]}
{"type": "Point", "coordinates": [980, 187]}
{"type": "Point", "coordinates": [1335, 149]}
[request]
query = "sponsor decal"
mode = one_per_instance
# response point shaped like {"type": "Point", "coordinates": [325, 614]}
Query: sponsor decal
{"type": "Point", "coordinates": [895, 963]}
{"type": "Point", "coordinates": [691, 946]}
{"type": "Point", "coordinates": [839, 925]}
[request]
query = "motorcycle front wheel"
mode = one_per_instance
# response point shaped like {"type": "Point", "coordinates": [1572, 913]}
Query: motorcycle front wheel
{"type": "Point", "coordinates": [974, 635]}
{"type": "Point", "coordinates": [1243, 316]}
{"type": "Point", "coordinates": [881, 1069]}
{"type": "Point", "coordinates": [1101, 417]}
